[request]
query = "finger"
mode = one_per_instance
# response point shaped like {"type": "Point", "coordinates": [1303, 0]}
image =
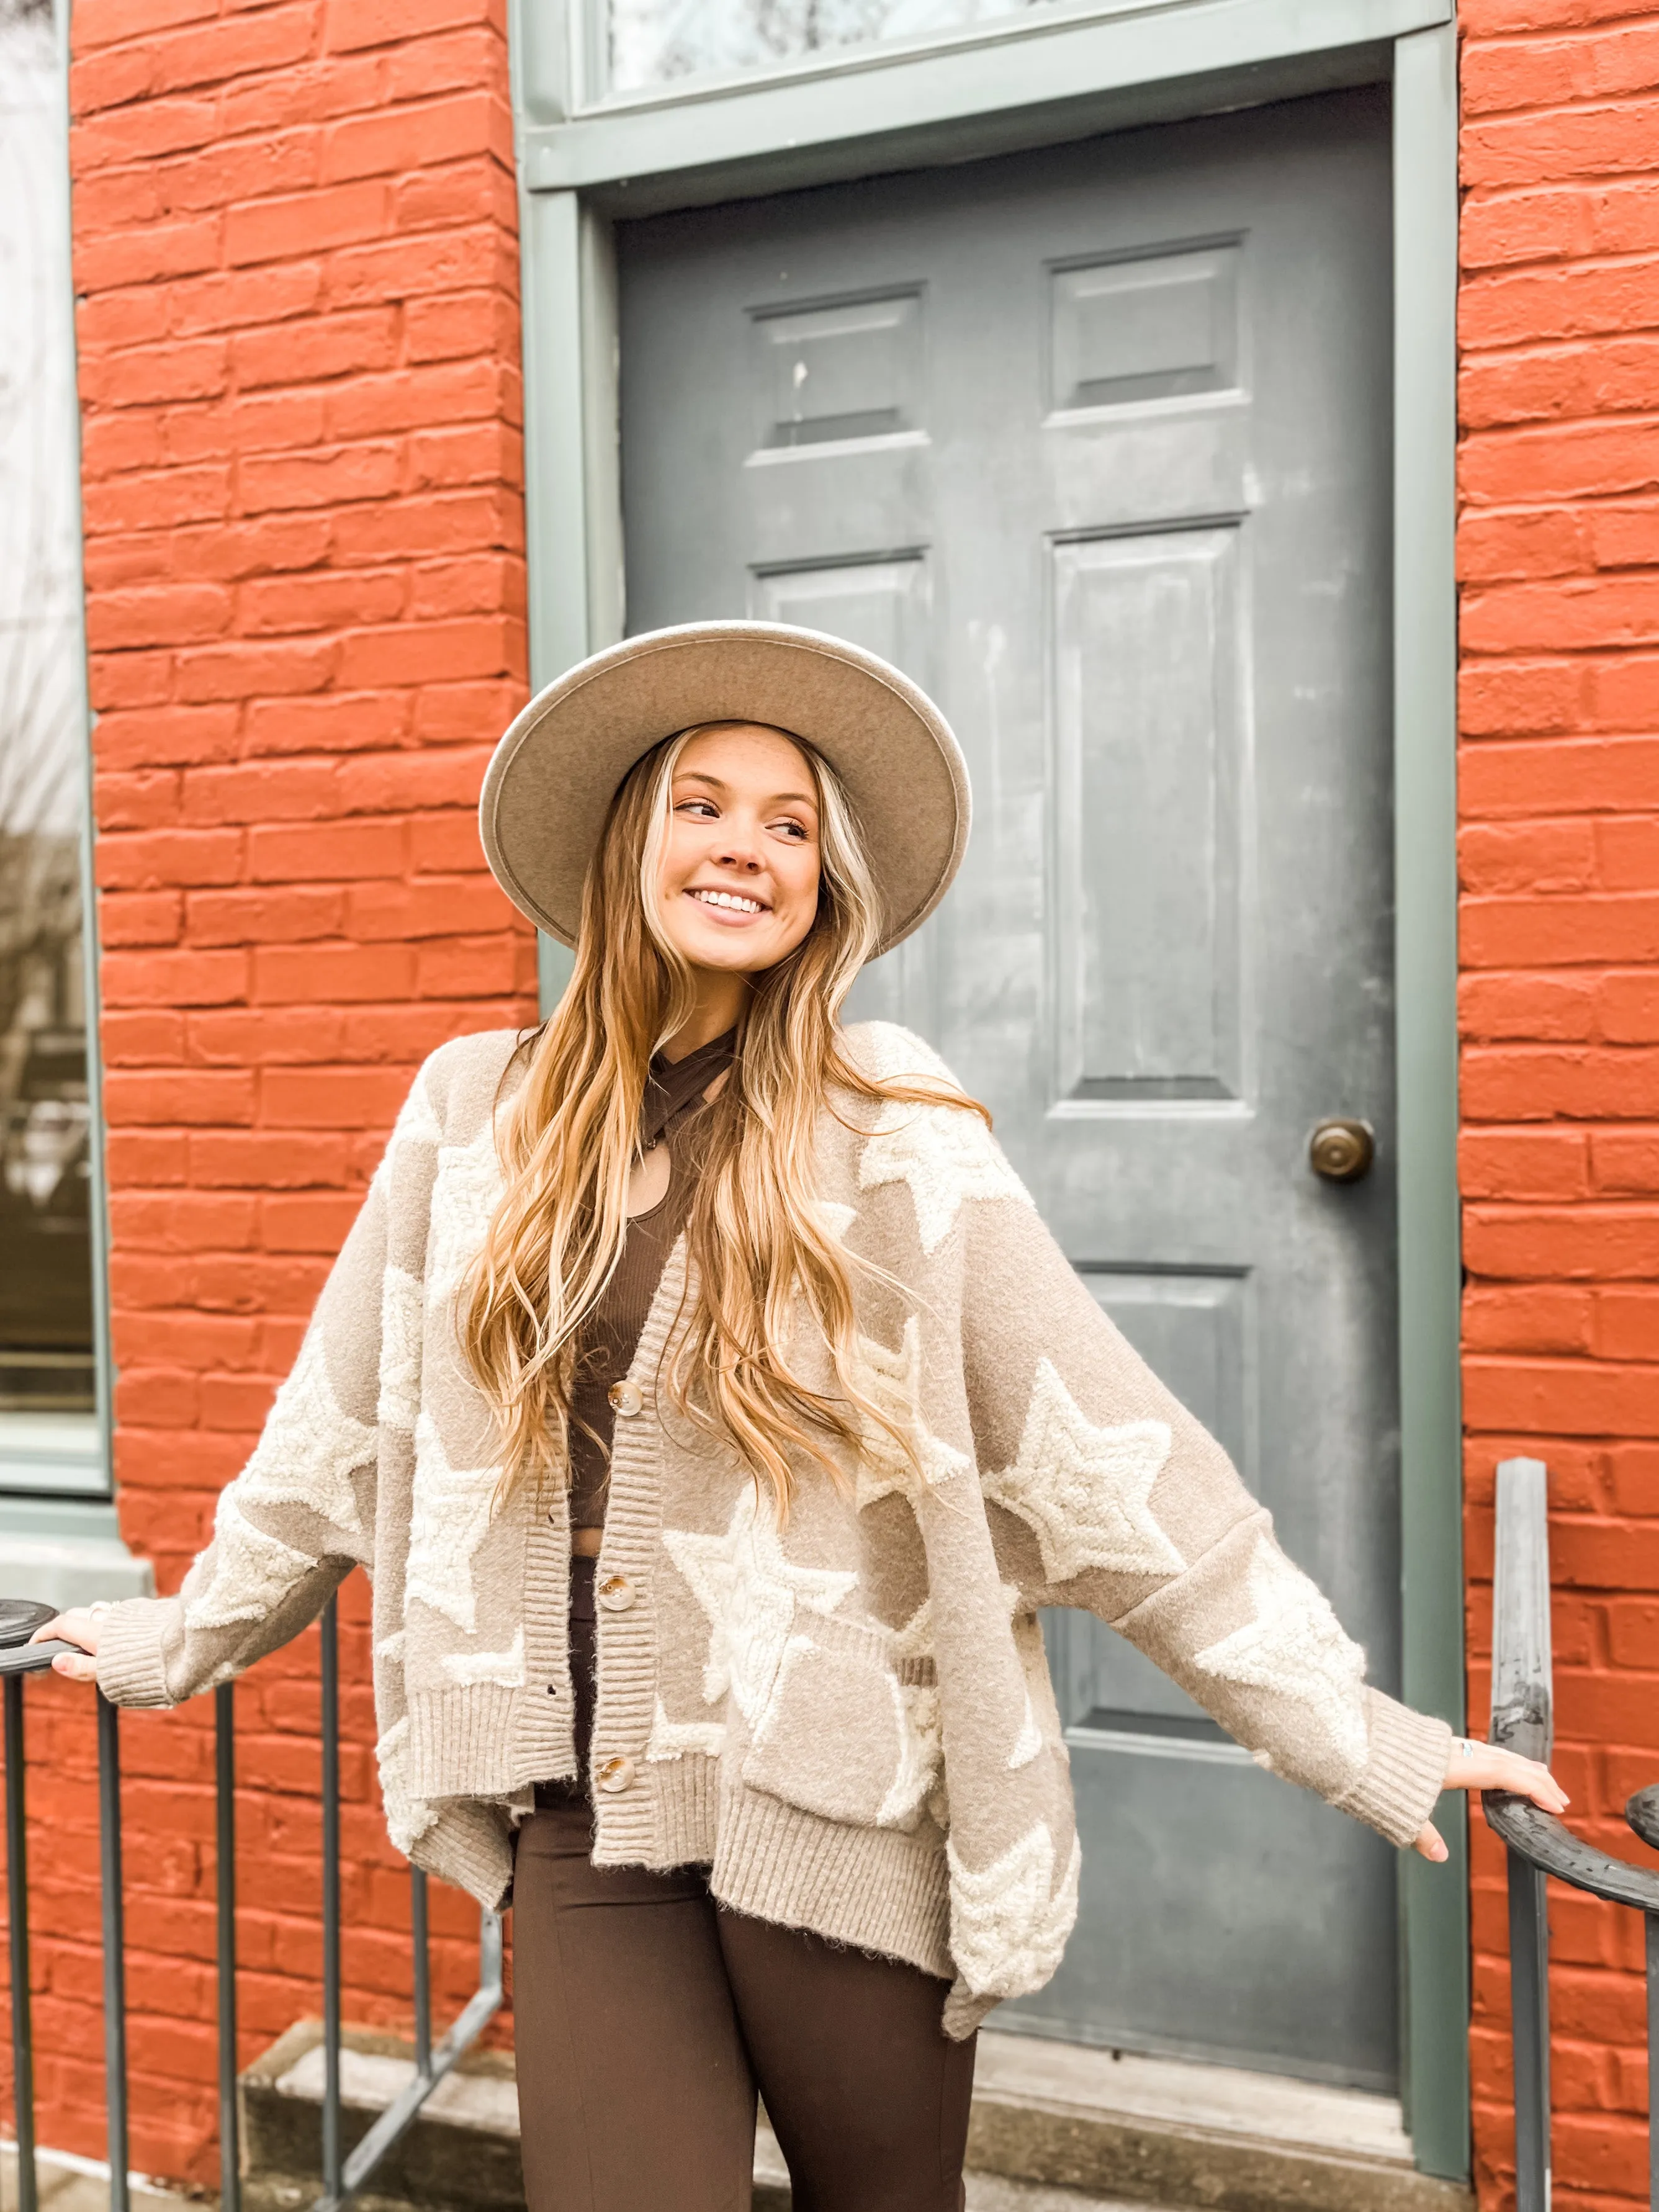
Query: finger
{"type": "Point", "coordinates": [78, 1669]}
{"type": "Point", "coordinates": [77, 1626]}
{"type": "Point", "coordinates": [1526, 1777]}
{"type": "Point", "coordinates": [1544, 1789]}
{"type": "Point", "coordinates": [1431, 1843]}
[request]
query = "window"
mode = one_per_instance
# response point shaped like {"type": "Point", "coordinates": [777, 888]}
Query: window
{"type": "Point", "coordinates": [47, 1366]}
{"type": "Point", "coordinates": [651, 43]}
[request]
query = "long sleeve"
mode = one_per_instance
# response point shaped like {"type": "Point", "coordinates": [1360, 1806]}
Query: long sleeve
{"type": "Point", "coordinates": [1105, 1494]}
{"type": "Point", "coordinates": [294, 1523]}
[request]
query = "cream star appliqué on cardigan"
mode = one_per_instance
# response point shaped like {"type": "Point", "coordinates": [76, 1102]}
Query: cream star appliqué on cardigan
{"type": "Point", "coordinates": [1295, 1647]}
{"type": "Point", "coordinates": [1085, 1490]}
{"type": "Point", "coordinates": [449, 1519]}
{"type": "Point", "coordinates": [253, 1571]}
{"type": "Point", "coordinates": [310, 1445]}
{"type": "Point", "coordinates": [749, 1590]}
{"type": "Point", "coordinates": [946, 1155]}
{"type": "Point", "coordinates": [893, 1380]}
{"type": "Point", "coordinates": [401, 1317]}
{"type": "Point", "coordinates": [1008, 1922]}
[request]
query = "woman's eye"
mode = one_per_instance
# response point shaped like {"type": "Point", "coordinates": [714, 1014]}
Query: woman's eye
{"type": "Point", "coordinates": [796, 829]}
{"type": "Point", "coordinates": [703, 807]}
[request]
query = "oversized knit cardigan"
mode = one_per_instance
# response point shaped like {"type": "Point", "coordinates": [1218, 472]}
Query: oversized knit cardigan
{"type": "Point", "coordinates": [847, 1717]}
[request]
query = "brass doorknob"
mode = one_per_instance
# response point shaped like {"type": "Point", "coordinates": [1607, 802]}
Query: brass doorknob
{"type": "Point", "coordinates": [1342, 1151]}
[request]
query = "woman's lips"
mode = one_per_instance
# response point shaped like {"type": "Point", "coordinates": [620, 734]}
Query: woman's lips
{"type": "Point", "coordinates": [714, 903]}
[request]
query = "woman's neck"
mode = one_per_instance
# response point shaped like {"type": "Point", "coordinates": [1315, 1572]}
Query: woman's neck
{"type": "Point", "coordinates": [720, 1000]}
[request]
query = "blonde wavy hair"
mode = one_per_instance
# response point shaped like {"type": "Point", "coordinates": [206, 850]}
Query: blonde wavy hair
{"type": "Point", "coordinates": [755, 1232]}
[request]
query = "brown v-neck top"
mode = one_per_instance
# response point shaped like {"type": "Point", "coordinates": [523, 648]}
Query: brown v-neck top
{"type": "Point", "coordinates": [672, 1107]}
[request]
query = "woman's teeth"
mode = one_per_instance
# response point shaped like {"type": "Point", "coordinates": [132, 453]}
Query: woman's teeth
{"type": "Point", "coordinates": [735, 900]}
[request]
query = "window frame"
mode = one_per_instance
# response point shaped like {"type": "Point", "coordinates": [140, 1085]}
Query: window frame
{"type": "Point", "coordinates": [79, 1467]}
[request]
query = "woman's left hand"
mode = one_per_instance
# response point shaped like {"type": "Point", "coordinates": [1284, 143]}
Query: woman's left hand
{"type": "Point", "coordinates": [1473, 1765]}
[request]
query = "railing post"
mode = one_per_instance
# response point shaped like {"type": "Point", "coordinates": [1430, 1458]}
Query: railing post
{"type": "Point", "coordinates": [332, 2153]}
{"type": "Point", "coordinates": [224, 1765]}
{"type": "Point", "coordinates": [114, 1922]}
{"type": "Point", "coordinates": [1529, 2017]}
{"type": "Point", "coordinates": [17, 1911]}
{"type": "Point", "coordinates": [1650, 1923]}
{"type": "Point", "coordinates": [418, 1917]}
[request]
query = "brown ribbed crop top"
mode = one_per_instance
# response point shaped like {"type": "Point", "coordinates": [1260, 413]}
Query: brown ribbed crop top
{"type": "Point", "coordinates": [672, 1106]}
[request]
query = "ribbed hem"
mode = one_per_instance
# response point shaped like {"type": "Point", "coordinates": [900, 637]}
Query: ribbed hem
{"type": "Point", "coordinates": [872, 1888]}
{"type": "Point", "coordinates": [130, 1668]}
{"type": "Point", "coordinates": [461, 1741]}
{"type": "Point", "coordinates": [1405, 1773]}
{"type": "Point", "coordinates": [469, 1846]}
{"type": "Point", "coordinates": [686, 1811]}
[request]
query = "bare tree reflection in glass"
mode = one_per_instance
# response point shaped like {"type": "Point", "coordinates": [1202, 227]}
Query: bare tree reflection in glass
{"type": "Point", "coordinates": [46, 1285]}
{"type": "Point", "coordinates": [653, 42]}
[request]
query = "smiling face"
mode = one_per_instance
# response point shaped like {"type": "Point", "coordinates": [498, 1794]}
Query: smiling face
{"type": "Point", "coordinates": [738, 883]}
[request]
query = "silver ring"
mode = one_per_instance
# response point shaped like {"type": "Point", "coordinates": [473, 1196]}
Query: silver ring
{"type": "Point", "coordinates": [1468, 1748]}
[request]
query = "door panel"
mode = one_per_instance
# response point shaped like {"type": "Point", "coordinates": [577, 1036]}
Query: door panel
{"type": "Point", "coordinates": [1093, 442]}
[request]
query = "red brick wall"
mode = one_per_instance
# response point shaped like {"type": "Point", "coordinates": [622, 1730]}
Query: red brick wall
{"type": "Point", "coordinates": [295, 246]}
{"type": "Point", "coordinates": [1559, 541]}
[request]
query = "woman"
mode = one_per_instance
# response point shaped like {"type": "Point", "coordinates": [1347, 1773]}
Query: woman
{"type": "Point", "coordinates": [714, 1415]}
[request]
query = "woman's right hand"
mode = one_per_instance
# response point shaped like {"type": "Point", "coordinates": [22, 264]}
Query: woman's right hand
{"type": "Point", "coordinates": [80, 1624]}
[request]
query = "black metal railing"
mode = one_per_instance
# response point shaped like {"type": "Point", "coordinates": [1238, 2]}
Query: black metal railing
{"type": "Point", "coordinates": [1537, 1845]}
{"type": "Point", "coordinates": [342, 2176]}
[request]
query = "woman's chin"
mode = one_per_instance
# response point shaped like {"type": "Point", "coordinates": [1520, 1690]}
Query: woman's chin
{"type": "Point", "coordinates": [727, 952]}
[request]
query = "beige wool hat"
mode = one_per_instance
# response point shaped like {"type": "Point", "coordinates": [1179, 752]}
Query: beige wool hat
{"type": "Point", "coordinates": [547, 789]}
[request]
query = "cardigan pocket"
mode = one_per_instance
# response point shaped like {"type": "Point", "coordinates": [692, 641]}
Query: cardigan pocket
{"type": "Point", "coordinates": [847, 1736]}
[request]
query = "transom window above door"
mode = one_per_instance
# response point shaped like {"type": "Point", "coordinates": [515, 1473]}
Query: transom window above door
{"type": "Point", "coordinates": [646, 46]}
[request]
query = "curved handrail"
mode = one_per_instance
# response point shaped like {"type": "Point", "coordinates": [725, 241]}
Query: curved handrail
{"type": "Point", "coordinates": [1548, 1844]}
{"type": "Point", "coordinates": [33, 1658]}
{"type": "Point", "coordinates": [1523, 1703]}
{"type": "Point", "coordinates": [1642, 1811]}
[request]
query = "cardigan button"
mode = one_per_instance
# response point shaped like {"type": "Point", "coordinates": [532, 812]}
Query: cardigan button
{"type": "Point", "coordinates": [626, 1398]}
{"type": "Point", "coordinates": [616, 1774]}
{"type": "Point", "coordinates": [617, 1594]}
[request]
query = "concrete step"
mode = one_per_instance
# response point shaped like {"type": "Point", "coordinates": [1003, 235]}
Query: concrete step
{"type": "Point", "coordinates": [1056, 2128]}
{"type": "Point", "coordinates": [987, 2192]}
{"type": "Point", "coordinates": [67, 2182]}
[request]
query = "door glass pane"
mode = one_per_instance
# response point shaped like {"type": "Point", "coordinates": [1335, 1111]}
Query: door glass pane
{"type": "Point", "coordinates": [652, 42]}
{"type": "Point", "coordinates": [45, 1276]}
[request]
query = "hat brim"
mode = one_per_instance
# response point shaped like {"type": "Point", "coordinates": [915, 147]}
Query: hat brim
{"type": "Point", "coordinates": [554, 773]}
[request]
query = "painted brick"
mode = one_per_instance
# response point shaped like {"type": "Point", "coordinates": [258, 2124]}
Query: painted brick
{"type": "Point", "coordinates": [304, 534]}
{"type": "Point", "coordinates": [326, 345]}
{"type": "Point", "coordinates": [269, 230]}
{"type": "Point", "coordinates": [221, 300]}
{"type": "Point", "coordinates": [1527, 1005]}
{"type": "Point", "coordinates": [321, 478]}
{"type": "Point", "coordinates": [278, 853]}
{"type": "Point", "coordinates": [1559, 550]}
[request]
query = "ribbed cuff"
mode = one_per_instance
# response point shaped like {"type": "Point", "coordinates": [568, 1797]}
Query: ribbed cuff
{"type": "Point", "coordinates": [469, 1846]}
{"type": "Point", "coordinates": [130, 1668]}
{"type": "Point", "coordinates": [1405, 1773]}
{"type": "Point", "coordinates": [964, 2012]}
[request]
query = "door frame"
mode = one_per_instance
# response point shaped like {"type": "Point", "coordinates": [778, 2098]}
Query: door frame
{"type": "Point", "coordinates": [1040, 80]}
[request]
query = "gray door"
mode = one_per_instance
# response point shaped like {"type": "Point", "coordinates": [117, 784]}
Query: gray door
{"type": "Point", "coordinates": [1093, 442]}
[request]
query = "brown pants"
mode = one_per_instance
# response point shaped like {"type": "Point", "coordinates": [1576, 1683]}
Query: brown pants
{"type": "Point", "coordinates": [647, 2016]}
